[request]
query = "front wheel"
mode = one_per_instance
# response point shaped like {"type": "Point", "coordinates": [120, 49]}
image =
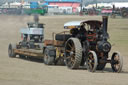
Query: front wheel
{"type": "Point", "coordinates": [91, 61]}
{"type": "Point", "coordinates": [117, 62]}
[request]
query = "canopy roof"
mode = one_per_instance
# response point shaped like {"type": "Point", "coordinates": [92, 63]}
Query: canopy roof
{"type": "Point", "coordinates": [77, 24]}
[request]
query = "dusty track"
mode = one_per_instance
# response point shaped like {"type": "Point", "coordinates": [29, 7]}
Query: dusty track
{"type": "Point", "coordinates": [15, 71]}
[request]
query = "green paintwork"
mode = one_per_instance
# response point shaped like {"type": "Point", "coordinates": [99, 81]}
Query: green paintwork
{"type": "Point", "coordinates": [41, 11]}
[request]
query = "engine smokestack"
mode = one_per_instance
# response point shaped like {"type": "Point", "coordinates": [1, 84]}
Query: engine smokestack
{"type": "Point", "coordinates": [105, 26]}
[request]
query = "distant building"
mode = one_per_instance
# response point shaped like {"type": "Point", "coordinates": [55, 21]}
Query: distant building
{"type": "Point", "coordinates": [70, 6]}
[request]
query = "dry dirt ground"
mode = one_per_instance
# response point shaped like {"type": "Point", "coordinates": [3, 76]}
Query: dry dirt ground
{"type": "Point", "coordinates": [15, 71]}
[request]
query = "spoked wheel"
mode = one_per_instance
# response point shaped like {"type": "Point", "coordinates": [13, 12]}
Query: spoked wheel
{"type": "Point", "coordinates": [124, 14]}
{"type": "Point", "coordinates": [11, 52]}
{"type": "Point", "coordinates": [91, 61]}
{"type": "Point", "coordinates": [49, 55]}
{"type": "Point", "coordinates": [73, 53]}
{"type": "Point", "coordinates": [117, 62]}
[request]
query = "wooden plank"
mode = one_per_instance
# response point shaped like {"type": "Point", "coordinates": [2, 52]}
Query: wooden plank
{"type": "Point", "coordinates": [29, 52]}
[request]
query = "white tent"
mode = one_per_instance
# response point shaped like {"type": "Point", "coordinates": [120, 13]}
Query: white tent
{"type": "Point", "coordinates": [110, 5]}
{"type": "Point", "coordinates": [120, 4]}
{"type": "Point", "coordinates": [100, 5]}
{"type": "Point", "coordinates": [15, 4]}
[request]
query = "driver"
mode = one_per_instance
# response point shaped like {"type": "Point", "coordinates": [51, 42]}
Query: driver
{"type": "Point", "coordinates": [82, 30]}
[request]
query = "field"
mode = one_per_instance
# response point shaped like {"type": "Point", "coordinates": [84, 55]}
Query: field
{"type": "Point", "coordinates": [15, 71]}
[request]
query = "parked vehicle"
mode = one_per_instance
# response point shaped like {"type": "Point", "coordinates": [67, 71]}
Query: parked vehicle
{"type": "Point", "coordinates": [123, 12]}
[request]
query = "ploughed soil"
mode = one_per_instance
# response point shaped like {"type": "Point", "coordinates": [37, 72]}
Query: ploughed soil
{"type": "Point", "coordinates": [15, 71]}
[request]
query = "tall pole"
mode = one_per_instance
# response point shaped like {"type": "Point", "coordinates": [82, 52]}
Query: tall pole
{"type": "Point", "coordinates": [81, 5]}
{"type": "Point", "coordinates": [96, 3]}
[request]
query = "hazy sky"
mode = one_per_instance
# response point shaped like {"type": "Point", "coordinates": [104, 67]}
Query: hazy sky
{"type": "Point", "coordinates": [2, 1]}
{"type": "Point", "coordinates": [40, 0]}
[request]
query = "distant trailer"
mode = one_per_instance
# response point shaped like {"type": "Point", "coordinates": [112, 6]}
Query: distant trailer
{"type": "Point", "coordinates": [53, 9]}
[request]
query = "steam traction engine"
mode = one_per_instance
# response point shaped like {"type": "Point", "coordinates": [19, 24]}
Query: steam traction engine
{"type": "Point", "coordinates": [89, 44]}
{"type": "Point", "coordinates": [85, 44]}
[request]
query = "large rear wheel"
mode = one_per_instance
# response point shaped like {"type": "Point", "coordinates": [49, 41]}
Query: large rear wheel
{"type": "Point", "coordinates": [73, 53]}
{"type": "Point", "coordinates": [117, 62]}
{"type": "Point", "coordinates": [124, 14]}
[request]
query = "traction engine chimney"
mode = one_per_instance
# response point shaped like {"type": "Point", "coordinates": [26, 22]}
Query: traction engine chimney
{"type": "Point", "coordinates": [105, 26]}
